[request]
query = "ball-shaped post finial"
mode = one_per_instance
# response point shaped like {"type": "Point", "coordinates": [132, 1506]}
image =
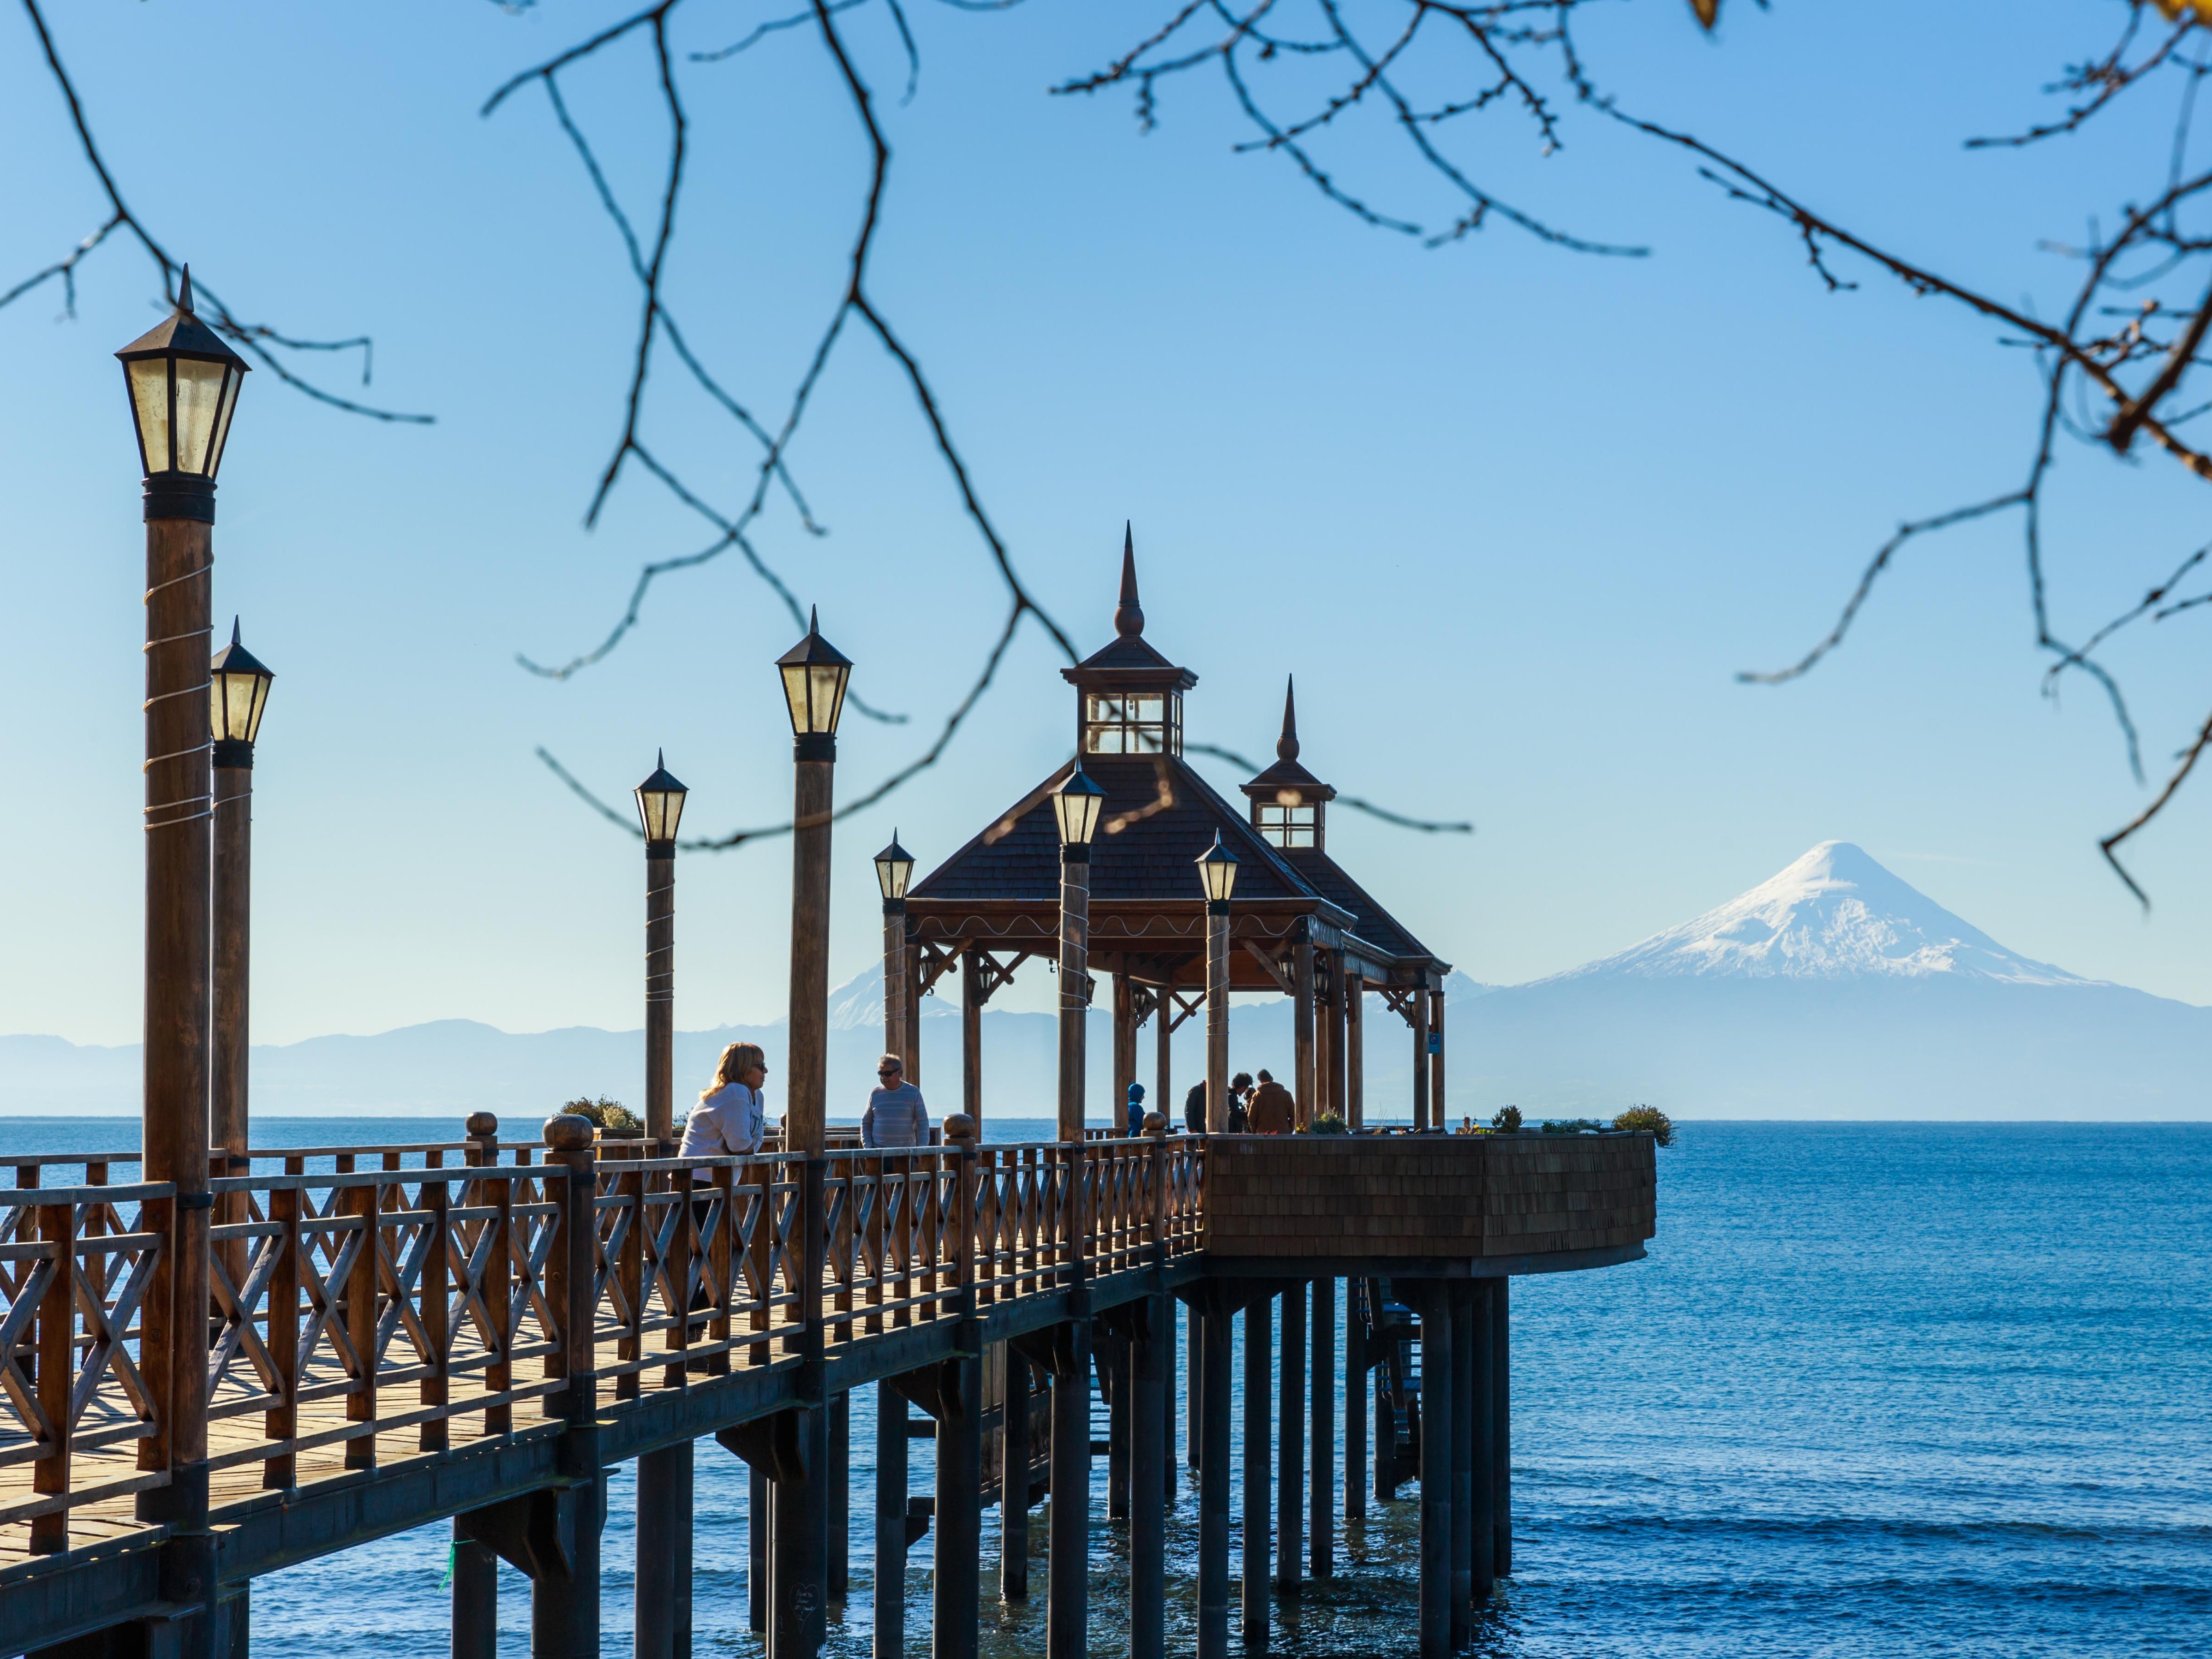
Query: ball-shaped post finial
{"type": "Point", "coordinates": [959, 1130]}
{"type": "Point", "coordinates": [1156, 1123]}
{"type": "Point", "coordinates": [566, 1132]}
{"type": "Point", "coordinates": [482, 1125]}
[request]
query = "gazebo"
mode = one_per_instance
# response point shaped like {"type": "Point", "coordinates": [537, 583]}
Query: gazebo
{"type": "Point", "coordinates": [1300, 924]}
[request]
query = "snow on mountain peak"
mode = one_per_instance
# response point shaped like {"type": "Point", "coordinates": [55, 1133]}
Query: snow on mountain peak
{"type": "Point", "coordinates": [1833, 914]}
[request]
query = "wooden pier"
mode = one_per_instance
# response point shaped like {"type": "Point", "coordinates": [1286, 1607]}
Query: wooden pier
{"type": "Point", "coordinates": [481, 1332]}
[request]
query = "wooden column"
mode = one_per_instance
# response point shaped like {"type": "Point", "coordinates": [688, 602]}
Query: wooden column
{"type": "Point", "coordinates": [1501, 1422]}
{"type": "Point", "coordinates": [1194, 1387]}
{"type": "Point", "coordinates": [896, 999]}
{"type": "Point", "coordinates": [1483, 1450]}
{"type": "Point", "coordinates": [760, 1524]}
{"type": "Point", "coordinates": [1419, 1000]}
{"type": "Point", "coordinates": [1152, 1413]}
{"type": "Point", "coordinates": [799, 1544]}
{"type": "Point", "coordinates": [1124, 1051]}
{"type": "Point", "coordinates": [660, 993]}
{"type": "Point", "coordinates": [1291, 1444]}
{"type": "Point", "coordinates": [1217, 1017]}
{"type": "Point", "coordinates": [1068, 1544]}
{"type": "Point", "coordinates": [1014, 1481]}
{"type": "Point", "coordinates": [564, 1608]}
{"type": "Point", "coordinates": [1164, 1019]}
{"type": "Point", "coordinates": [1259, 1385]}
{"type": "Point", "coordinates": [1301, 1027]}
{"type": "Point", "coordinates": [1355, 1403]}
{"type": "Point", "coordinates": [955, 1591]}
{"type": "Point", "coordinates": [839, 1495]}
{"type": "Point", "coordinates": [1338, 1085]}
{"type": "Point", "coordinates": [1355, 1054]}
{"type": "Point", "coordinates": [1386, 1429]}
{"type": "Point", "coordinates": [664, 1531]}
{"type": "Point", "coordinates": [232, 921]}
{"type": "Point", "coordinates": [972, 1035]}
{"type": "Point", "coordinates": [804, 1079]}
{"type": "Point", "coordinates": [1214, 1333]}
{"type": "Point", "coordinates": [1113, 1367]}
{"type": "Point", "coordinates": [1323, 1032]}
{"type": "Point", "coordinates": [914, 1021]}
{"type": "Point", "coordinates": [1321, 1518]}
{"type": "Point", "coordinates": [1462, 1460]}
{"type": "Point", "coordinates": [888, 1613]}
{"type": "Point", "coordinates": [1439, 1111]}
{"type": "Point", "coordinates": [1075, 985]}
{"type": "Point", "coordinates": [1435, 1306]}
{"type": "Point", "coordinates": [173, 1317]}
{"type": "Point", "coordinates": [475, 1599]}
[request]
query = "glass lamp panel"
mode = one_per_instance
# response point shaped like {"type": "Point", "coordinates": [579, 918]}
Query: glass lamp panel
{"type": "Point", "coordinates": [199, 401]}
{"type": "Point", "coordinates": [222, 420]}
{"type": "Point", "coordinates": [1147, 739]}
{"type": "Point", "coordinates": [259, 697]}
{"type": "Point", "coordinates": [660, 810]}
{"type": "Point", "coordinates": [229, 704]}
{"type": "Point", "coordinates": [892, 875]}
{"type": "Point", "coordinates": [827, 695]}
{"type": "Point", "coordinates": [1105, 740]}
{"type": "Point", "coordinates": [794, 693]}
{"type": "Point", "coordinates": [149, 406]}
{"type": "Point", "coordinates": [1148, 707]}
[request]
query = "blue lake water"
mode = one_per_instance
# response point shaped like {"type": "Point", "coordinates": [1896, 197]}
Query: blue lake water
{"type": "Point", "coordinates": [1878, 1390]}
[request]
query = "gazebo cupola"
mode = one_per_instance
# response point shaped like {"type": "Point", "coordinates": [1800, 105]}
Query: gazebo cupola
{"type": "Point", "coordinates": [1128, 696]}
{"type": "Point", "coordinates": [1289, 803]}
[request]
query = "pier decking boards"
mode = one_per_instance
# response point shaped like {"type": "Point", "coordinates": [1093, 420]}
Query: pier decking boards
{"type": "Point", "coordinates": [484, 1333]}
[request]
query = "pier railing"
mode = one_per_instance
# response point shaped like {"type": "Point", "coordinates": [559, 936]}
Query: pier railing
{"type": "Point", "coordinates": [372, 1312]}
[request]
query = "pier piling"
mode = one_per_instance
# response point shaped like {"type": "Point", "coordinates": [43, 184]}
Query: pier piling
{"type": "Point", "coordinates": [1150, 1413]}
{"type": "Point", "coordinates": [1462, 1404]}
{"type": "Point", "coordinates": [476, 1598]}
{"type": "Point", "coordinates": [1435, 1306]}
{"type": "Point", "coordinates": [1259, 1344]}
{"type": "Point", "coordinates": [890, 1537]}
{"type": "Point", "coordinates": [1321, 1520]}
{"type": "Point", "coordinates": [1214, 1313]}
{"type": "Point", "coordinates": [1013, 1482]}
{"type": "Point", "coordinates": [1291, 1445]}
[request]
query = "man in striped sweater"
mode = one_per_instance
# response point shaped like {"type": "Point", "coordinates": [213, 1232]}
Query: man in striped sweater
{"type": "Point", "coordinates": [896, 1116]}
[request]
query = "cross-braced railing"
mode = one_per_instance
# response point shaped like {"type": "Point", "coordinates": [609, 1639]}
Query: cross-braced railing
{"type": "Point", "coordinates": [356, 1312]}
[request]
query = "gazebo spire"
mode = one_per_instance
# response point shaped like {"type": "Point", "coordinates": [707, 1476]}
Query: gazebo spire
{"type": "Point", "coordinates": [1129, 615]}
{"type": "Point", "coordinates": [1287, 746]}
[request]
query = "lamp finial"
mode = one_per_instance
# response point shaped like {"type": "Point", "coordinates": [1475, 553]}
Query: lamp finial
{"type": "Point", "coordinates": [1287, 746]}
{"type": "Point", "coordinates": [1129, 615]}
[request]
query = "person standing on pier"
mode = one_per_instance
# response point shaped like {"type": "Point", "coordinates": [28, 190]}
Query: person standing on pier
{"type": "Point", "coordinates": [732, 1115]}
{"type": "Point", "coordinates": [1273, 1112]}
{"type": "Point", "coordinates": [1194, 1110]}
{"type": "Point", "coordinates": [1135, 1110]}
{"type": "Point", "coordinates": [1239, 1102]}
{"type": "Point", "coordinates": [896, 1116]}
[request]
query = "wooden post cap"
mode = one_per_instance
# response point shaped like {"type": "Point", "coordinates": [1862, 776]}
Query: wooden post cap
{"type": "Point", "coordinates": [960, 1130]}
{"type": "Point", "coordinates": [481, 1125]}
{"type": "Point", "coordinates": [568, 1133]}
{"type": "Point", "coordinates": [1155, 1124]}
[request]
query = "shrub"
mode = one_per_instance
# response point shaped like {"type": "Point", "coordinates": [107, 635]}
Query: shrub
{"type": "Point", "coordinates": [609, 1115]}
{"type": "Point", "coordinates": [1507, 1120]}
{"type": "Point", "coordinates": [1570, 1126]}
{"type": "Point", "coordinates": [1651, 1118]}
{"type": "Point", "coordinates": [1327, 1123]}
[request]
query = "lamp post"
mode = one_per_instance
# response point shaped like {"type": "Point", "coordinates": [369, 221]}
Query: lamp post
{"type": "Point", "coordinates": [814, 676]}
{"type": "Point", "coordinates": [183, 383]}
{"type": "Point", "coordinates": [1216, 876]}
{"type": "Point", "coordinates": [1075, 806]}
{"type": "Point", "coordinates": [894, 869]}
{"type": "Point", "coordinates": [238, 690]}
{"type": "Point", "coordinates": [659, 810]}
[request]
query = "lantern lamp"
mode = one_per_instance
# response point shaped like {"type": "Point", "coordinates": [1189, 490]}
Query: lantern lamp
{"type": "Point", "coordinates": [183, 382]}
{"type": "Point", "coordinates": [814, 675]}
{"type": "Point", "coordinates": [1217, 871]}
{"type": "Point", "coordinates": [238, 690]}
{"type": "Point", "coordinates": [660, 805]}
{"type": "Point", "coordinates": [894, 869]}
{"type": "Point", "coordinates": [1075, 805]}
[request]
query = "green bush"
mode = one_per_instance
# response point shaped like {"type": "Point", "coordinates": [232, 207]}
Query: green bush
{"type": "Point", "coordinates": [1570, 1126]}
{"type": "Point", "coordinates": [1328, 1123]}
{"type": "Point", "coordinates": [1651, 1118]}
{"type": "Point", "coordinates": [606, 1114]}
{"type": "Point", "coordinates": [1507, 1120]}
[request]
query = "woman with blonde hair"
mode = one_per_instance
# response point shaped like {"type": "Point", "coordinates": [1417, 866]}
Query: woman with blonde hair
{"type": "Point", "coordinates": [730, 1117]}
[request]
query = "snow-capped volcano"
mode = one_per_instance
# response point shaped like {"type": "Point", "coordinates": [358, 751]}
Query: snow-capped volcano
{"type": "Point", "coordinates": [1833, 914]}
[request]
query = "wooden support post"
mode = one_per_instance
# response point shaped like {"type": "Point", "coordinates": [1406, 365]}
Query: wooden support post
{"type": "Point", "coordinates": [660, 993]}
{"type": "Point", "coordinates": [280, 1422]}
{"type": "Point", "coordinates": [798, 1550]}
{"type": "Point", "coordinates": [231, 911]}
{"type": "Point", "coordinates": [972, 1035]}
{"type": "Point", "coordinates": [1436, 1310]}
{"type": "Point", "coordinates": [891, 1545]}
{"type": "Point", "coordinates": [55, 1372]}
{"type": "Point", "coordinates": [1291, 1445]}
{"type": "Point", "coordinates": [1421, 1002]}
{"type": "Point", "coordinates": [476, 1598]}
{"type": "Point", "coordinates": [1125, 1051]}
{"type": "Point", "coordinates": [1193, 1387]}
{"type": "Point", "coordinates": [1386, 1432]}
{"type": "Point", "coordinates": [1013, 1482]}
{"type": "Point", "coordinates": [1163, 1100]}
{"type": "Point", "coordinates": [840, 1494]}
{"type": "Point", "coordinates": [814, 768]}
{"type": "Point", "coordinates": [1067, 1544]}
{"type": "Point", "coordinates": [1216, 1016]}
{"type": "Point", "coordinates": [1439, 1111]}
{"type": "Point", "coordinates": [760, 1525]}
{"type": "Point", "coordinates": [1355, 1403]}
{"type": "Point", "coordinates": [1074, 987]}
{"type": "Point", "coordinates": [360, 1202]}
{"type": "Point", "coordinates": [1301, 1024]}
{"type": "Point", "coordinates": [1335, 1086]}
{"type": "Point", "coordinates": [1355, 1058]}
{"type": "Point", "coordinates": [897, 962]}
{"type": "Point", "coordinates": [1461, 1293]}
{"type": "Point", "coordinates": [1150, 1363]}
{"type": "Point", "coordinates": [434, 1200]}
{"type": "Point", "coordinates": [564, 1606]}
{"type": "Point", "coordinates": [663, 1535]}
{"type": "Point", "coordinates": [957, 1588]}
{"type": "Point", "coordinates": [1482, 1450]}
{"type": "Point", "coordinates": [914, 1022]}
{"type": "Point", "coordinates": [1259, 1344]}
{"type": "Point", "coordinates": [1501, 1422]}
{"type": "Point", "coordinates": [1113, 1366]}
{"type": "Point", "coordinates": [1214, 1333]}
{"type": "Point", "coordinates": [1320, 1396]}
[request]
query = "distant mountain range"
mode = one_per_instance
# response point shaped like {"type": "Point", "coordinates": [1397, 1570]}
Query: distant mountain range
{"type": "Point", "coordinates": [1833, 990]}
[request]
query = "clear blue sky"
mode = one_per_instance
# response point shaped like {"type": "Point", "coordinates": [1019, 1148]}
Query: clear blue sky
{"type": "Point", "coordinates": [1515, 515]}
